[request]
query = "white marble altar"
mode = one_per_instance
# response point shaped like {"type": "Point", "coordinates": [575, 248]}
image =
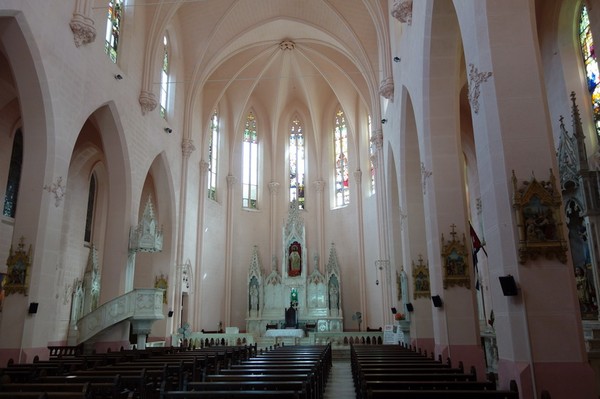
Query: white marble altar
{"type": "Point", "coordinates": [285, 332]}
{"type": "Point", "coordinates": [318, 297]}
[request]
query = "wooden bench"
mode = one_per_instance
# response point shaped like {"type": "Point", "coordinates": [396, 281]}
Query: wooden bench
{"type": "Point", "coordinates": [230, 394]}
{"type": "Point", "coordinates": [253, 385]}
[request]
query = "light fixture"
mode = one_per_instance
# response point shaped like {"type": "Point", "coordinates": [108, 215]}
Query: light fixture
{"type": "Point", "coordinates": [384, 120]}
{"type": "Point", "coordinates": [168, 130]}
{"type": "Point", "coordinates": [118, 76]}
{"type": "Point", "coordinates": [396, 59]}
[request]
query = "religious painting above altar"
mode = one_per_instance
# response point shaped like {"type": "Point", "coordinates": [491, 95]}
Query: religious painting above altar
{"type": "Point", "coordinates": [316, 297]}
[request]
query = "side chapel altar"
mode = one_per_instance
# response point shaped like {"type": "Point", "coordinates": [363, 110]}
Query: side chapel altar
{"type": "Point", "coordinates": [289, 297]}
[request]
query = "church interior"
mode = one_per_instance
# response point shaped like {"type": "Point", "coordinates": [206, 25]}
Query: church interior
{"type": "Point", "coordinates": [305, 172]}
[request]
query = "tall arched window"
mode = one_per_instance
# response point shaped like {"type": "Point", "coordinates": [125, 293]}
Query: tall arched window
{"type": "Point", "coordinates": [213, 151]}
{"type": "Point", "coordinates": [89, 217]}
{"type": "Point", "coordinates": [297, 165]}
{"type": "Point", "coordinates": [250, 166]}
{"type": "Point", "coordinates": [340, 145]}
{"type": "Point", "coordinates": [591, 64]}
{"type": "Point", "coordinates": [164, 79]}
{"type": "Point", "coordinates": [113, 28]}
{"type": "Point", "coordinates": [14, 176]}
{"type": "Point", "coordinates": [371, 155]}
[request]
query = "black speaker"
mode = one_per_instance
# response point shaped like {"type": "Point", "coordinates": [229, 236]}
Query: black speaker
{"type": "Point", "coordinates": [170, 313]}
{"type": "Point", "coordinates": [409, 307]}
{"type": "Point", "coordinates": [394, 311]}
{"type": "Point", "coordinates": [509, 286]}
{"type": "Point", "coordinates": [33, 306]}
{"type": "Point", "coordinates": [437, 301]}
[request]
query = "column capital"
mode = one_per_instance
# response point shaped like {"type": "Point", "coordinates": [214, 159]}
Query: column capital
{"type": "Point", "coordinates": [147, 101]}
{"type": "Point", "coordinates": [377, 139]}
{"type": "Point", "coordinates": [319, 185]}
{"type": "Point", "coordinates": [274, 188]}
{"type": "Point", "coordinates": [83, 29]}
{"type": "Point", "coordinates": [204, 167]}
{"type": "Point", "coordinates": [187, 147]}
{"type": "Point", "coordinates": [231, 180]}
{"type": "Point", "coordinates": [386, 88]}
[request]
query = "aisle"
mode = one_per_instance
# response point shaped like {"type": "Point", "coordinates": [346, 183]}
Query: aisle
{"type": "Point", "coordinates": [340, 384]}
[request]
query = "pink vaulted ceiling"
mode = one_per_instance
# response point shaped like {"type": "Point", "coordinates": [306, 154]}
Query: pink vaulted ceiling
{"type": "Point", "coordinates": [232, 50]}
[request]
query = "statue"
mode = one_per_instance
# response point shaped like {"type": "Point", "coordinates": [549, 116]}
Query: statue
{"type": "Point", "coordinates": [584, 291]}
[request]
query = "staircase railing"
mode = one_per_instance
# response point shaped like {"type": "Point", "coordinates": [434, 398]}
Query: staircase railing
{"type": "Point", "coordinates": [139, 304]}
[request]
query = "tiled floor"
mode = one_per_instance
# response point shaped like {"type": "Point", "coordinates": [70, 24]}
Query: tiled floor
{"type": "Point", "coordinates": [340, 384]}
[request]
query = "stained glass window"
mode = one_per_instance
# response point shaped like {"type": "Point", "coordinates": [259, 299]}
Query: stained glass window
{"type": "Point", "coordinates": [297, 165]}
{"type": "Point", "coordinates": [113, 28]}
{"type": "Point", "coordinates": [372, 150]}
{"type": "Point", "coordinates": [591, 65]}
{"type": "Point", "coordinates": [89, 219]}
{"type": "Point", "coordinates": [213, 151]}
{"type": "Point", "coordinates": [250, 167]}
{"type": "Point", "coordinates": [340, 145]}
{"type": "Point", "coordinates": [164, 79]}
{"type": "Point", "coordinates": [14, 176]}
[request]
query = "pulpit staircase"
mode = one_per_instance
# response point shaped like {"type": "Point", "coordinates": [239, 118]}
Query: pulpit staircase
{"type": "Point", "coordinates": [140, 307]}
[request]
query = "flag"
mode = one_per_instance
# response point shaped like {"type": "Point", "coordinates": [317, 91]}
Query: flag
{"type": "Point", "coordinates": [477, 245]}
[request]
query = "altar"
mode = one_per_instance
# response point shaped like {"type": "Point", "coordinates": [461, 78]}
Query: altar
{"type": "Point", "coordinates": [314, 295]}
{"type": "Point", "coordinates": [285, 332]}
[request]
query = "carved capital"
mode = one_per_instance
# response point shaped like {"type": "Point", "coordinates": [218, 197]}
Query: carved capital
{"type": "Point", "coordinates": [231, 180]}
{"type": "Point", "coordinates": [204, 167]}
{"type": "Point", "coordinates": [187, 147]}
{"type": "Point", "coordinates": [274, 188]}
{"type": "Point", "coordinates": [377, 139]}
{"type": "Point", "coordinates": [386, 88]}
{"type": "Point", "coordinates": [402, 11]}
{"type": "Point", "coordinates": [83, 29]}
{"type": "Point", "coordinates": [147, 101]}
{"type": "Point", "coordinates": [358, 176]}
{"type": "Point", "coordinates": [319, 185]}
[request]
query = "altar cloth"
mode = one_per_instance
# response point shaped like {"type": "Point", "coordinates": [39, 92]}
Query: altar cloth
{"type": "Point", "coordinates": [285, 332]}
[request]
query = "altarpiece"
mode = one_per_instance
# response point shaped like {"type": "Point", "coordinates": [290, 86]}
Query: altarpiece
{"type": "Point", "coordinates": [317, 298]}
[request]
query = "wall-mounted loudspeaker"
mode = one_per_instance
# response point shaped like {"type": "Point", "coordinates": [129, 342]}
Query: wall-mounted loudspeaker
{"type": "Point", "coordinates": [394, 311]}
{"type": "Point", "coordinates": [409, 307]}
{"type": "Point", "coordinates": [509, 286]}
{"type": "Point", "coordinates": [33, 306]}
{"type": "Point", "coordinates": [437, 301]}
{"type": "Point", "coordinates": [170, 313]}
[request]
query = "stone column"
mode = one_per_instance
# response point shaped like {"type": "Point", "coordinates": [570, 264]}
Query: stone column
{"type": "Point", "coordinates": [539, 331]}
{"type": "Point", "coordinates": [319, 186]}
{"type": "Point", "coordinates": [231, 182]}
{"type": "Point", "coordinates": [197, 294]}
{"type": "Point", "coordinates": [187, 147]}
{"type": "Point", "coordinates": [273, 228]}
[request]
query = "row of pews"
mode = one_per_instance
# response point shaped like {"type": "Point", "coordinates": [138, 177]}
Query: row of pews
{"type": "Point", "coordinates": [131, 374]}
{"type": "Point", "coordinates": [294, 372]}
{"type": "Point", "coordinates": [298, 372]}
{"type": "Point", "coordinates": [394, 371]}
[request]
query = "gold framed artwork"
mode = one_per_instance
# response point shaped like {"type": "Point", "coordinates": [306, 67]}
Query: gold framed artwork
{"type": "Point", "coordinates": [420, 273]}
{"type": "Point", "coordinates": [19, 264]}
{"type": "Point", "coordinates": [162, 282]}
{"type": "Point", "coordinates": [537, 205]}
{"type": "Point", "coordinates": [455, 261]}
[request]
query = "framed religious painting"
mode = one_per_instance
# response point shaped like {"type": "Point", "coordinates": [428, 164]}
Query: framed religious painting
{"type": "Point", "coordinates": [163, 283]}
{"type": "Point", "coordinates": [420, 273]}
{"type": "Point", "coordinates": [455, 261]}
{"type": "Point", "coordinates": [537, 205]}
{"type": "Point", "coordinates": [2, 282]}
{"type": "Point", "coordinates": [17, 275]}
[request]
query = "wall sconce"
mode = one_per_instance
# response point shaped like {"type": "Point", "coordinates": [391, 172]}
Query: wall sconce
{"type": "Point", "coordinates": [509, 286]}
{"type": "Point", "coordinates": [168, 130]}
{"type": "Point", "coordinates": [170, 313]}
{"type": "Point", "coordinates": [396, 59]}
{"type": "Point", "coordinates": [394, 311]}
{"type": "Point", "coordinates": [384, 121]}
{"type": "Point", "coordinates": [437, 301]}
{"type": "Point", "coordinates": [33, 308]}
{"type": "Point", "coordinates": [409, 307]}
{"type": "Point", "coordinates": [119, 76]}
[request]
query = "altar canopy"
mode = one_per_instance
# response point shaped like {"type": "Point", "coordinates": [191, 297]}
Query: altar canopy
{"type": "Point", "coordinates": [315, 297]}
